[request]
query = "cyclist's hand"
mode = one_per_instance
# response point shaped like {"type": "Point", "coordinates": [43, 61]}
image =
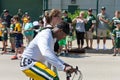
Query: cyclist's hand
{"type": "Point", "coordinates": [69, 69]}
{"type": "Point", "coordinates": [66, 64]}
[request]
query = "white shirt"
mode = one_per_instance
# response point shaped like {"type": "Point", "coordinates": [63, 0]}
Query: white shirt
{"type": "Point", "coordinates": [41, 49]}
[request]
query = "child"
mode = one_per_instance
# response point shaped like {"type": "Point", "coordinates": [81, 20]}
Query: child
{"type": "Point", "coordinates": [4, 36]}
{"type": "Point", "coordinates": [28, 31]}
{"type": "Point", "coordinates": [12, 36]}
{"type": "Point", "coordinates": [116, 38]}
{"type": "Point", "coordinates": [1, 20]}
{"type": "Point", "coordinates": [18, 38]}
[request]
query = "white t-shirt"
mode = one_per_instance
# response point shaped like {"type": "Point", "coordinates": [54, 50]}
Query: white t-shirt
{"type": "Point", "coordinates": [41, 49]}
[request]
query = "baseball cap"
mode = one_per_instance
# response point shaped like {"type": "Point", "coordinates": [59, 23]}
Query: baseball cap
{"type": "Point", "coordinates": [5, 10]}
{"type": "Point", "coordinates": [4, 23]}
{"type": "Point", "coordinates": [26, 13]}
{"type": "Point", "coordinates": [90, 9]}
{"type": "Point", "coordinates": [103, 8]}
{"type": "Point", "coordinates": [64, 11]}
{"type": "Point", "coordinates": [64, 26]}
{"type": "Point", "coordinates": [35, 23]}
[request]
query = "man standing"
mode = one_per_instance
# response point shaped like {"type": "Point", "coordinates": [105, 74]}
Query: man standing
{"type": "Point", "coordinates": [102, 27]}
{"type": "Point", "coordinates": [91, 21]}
{"type": "Point", "coordinates": [7, 17]}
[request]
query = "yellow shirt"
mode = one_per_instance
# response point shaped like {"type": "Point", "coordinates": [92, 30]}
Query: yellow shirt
{"type": "Point", "coordinates": [18, 27]}
{"type": "Point", "coordinates": [0, 29]}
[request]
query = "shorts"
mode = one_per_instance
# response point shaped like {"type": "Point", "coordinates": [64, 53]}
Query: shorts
{"type": "Point", "coordinates": [88, 35]}
{"type": "Point", "coordinates": [18, 43]}
{"type": "Point", "coordinates": [117, 44]}
{"type": "Point", "coordinates": [102, 32]}
{"type": "Point", "coordinates": [37, 70]}
{"type": "Point", "coordinates": [62, 42]}
{"type": "Point", "coordinates": [12, 40]}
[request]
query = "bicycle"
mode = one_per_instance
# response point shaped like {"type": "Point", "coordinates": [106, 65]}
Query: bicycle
{"type": "Point", "coordinates": [76, 72]}
{"type": "Point", "coordinates": [69, 74]}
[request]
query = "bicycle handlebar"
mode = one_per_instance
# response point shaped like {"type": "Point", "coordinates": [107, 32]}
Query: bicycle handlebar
{"type": "Point", "coordinates": [76, 71]}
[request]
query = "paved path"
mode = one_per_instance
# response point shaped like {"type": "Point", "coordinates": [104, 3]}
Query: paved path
{"type": "Point", "coordinates": [97, 66]}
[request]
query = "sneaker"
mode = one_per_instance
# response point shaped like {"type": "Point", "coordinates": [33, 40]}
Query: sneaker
{"type": "Point", "coordinates": [14, 57]}
{"type": "Point", "coordinates": [97, 48]}
{"type": "Point", "coordinates": [114, 54]}
{"type": "Point", "coordinates": [104, 48]}
{"type": "Point", "coordinates": [2, 49]}
{"type": "Point", "coordinates": [118, 54]}
{"type": "Point", "coordinates": [13, 51]}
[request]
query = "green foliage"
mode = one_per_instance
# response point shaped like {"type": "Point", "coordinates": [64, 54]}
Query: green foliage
{"type": "Point", "coordinates": [77, 12]}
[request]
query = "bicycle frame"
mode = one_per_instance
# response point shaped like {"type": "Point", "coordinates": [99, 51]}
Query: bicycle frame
{"type": "Point", "coordinates": [68, 75]}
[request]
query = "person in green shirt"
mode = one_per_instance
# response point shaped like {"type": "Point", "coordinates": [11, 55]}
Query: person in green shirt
{"type": "Point", "coordinates": [12, 35]}
{"type": "Point", "coordinates": [66, 42]}
{"type": "Point", "coordinates": [89, 27]}
{"type": "Point", "coordinates": [116, 17]}
{"type": "Point", "coordinates": [116, 35]}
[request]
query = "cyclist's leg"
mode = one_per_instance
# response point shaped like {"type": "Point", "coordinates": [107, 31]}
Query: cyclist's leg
{"type": "Point", "coordinates": [40, 71]}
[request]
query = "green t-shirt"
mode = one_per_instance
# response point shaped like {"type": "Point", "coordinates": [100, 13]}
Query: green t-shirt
{"type": "Point", "coordinates": [113, 25]}
{"type": "Point", "coordinates": [67, 19]}
{"type": "Point", "coordinates": [90, 20]}
{"type": "Point", "coordinates": [116, 34]}
{"type": "Point", "coordinates": [12, 26]}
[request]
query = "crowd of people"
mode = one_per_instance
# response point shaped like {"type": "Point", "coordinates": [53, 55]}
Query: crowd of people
{"type": "Point", "coordinates": [20, 26]}
{"type": "Point", "coordinates": [54, 32]}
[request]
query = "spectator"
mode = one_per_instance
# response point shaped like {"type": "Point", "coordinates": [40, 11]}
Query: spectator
{"type": "Point", "coordinates": [116, 39]}
{"type": "Point", "coordinates": [7, 18]}
{"type": "Point", "coordinates": [102, 27]}
{"type": "Point", "coordinates": [46, 14]}
{"type": "Point", "coordinates": [36, 27]}
{"type": "Point", "coordinates": [12, 35]}
{"type": "Point", "coordinates": [28, 31]}
{"type": "Point", "coordinates": [1, 20]}
{"type": "Point", "coordinates": [80, 29]}
{"type": "Point", "coordinates": [25, 19]}
{"type": "Point", "coordinates": [116, 17]}
{"type": "Point", "coordinates": [20, 13]}
{"type": "Point", "coordinates": [89, 27]}
{"type": "Point", "coordinates": [41, 23]}
{"type": "Point", "coordinates": [4, 37]}
{"type": "Point", "coordinates": [18, 38]}
{"type": "Point", "coordinates": [68, 39]}
{"type": "Point", "coordinates": [55, 18]}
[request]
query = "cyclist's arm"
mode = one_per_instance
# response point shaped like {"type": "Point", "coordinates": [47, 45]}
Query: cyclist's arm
{"type": "Point", "coordinates": [49, 54]}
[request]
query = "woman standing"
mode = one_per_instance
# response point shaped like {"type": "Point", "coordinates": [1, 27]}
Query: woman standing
{"type": "Point", "coordinates": [80, 29]}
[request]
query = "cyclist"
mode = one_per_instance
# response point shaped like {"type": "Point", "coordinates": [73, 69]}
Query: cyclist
{"type": "Point", "coordinates": [41, 49]}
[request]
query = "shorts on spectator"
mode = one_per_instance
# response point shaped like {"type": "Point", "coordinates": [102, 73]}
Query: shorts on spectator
{"type": "Point", "coordinates": [18, 43]}
{"type": "Point", "coordinates": [12, 40]}
{"type": "Point", "coordinates": [102, 32]}
{"type": "Point", "coordinates": [89, 35]}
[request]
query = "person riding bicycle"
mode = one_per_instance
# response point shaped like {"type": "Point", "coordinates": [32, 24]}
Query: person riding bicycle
{"type": "Point", "coordinates": [41, 49]}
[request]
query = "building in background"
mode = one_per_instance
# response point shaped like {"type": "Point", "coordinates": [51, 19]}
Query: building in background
{"type": "Point", "coordinates": [36, 7]}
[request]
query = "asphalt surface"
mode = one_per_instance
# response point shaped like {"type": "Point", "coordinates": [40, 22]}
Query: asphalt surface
{"type": "Point", "coordinates": [94, 66]}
